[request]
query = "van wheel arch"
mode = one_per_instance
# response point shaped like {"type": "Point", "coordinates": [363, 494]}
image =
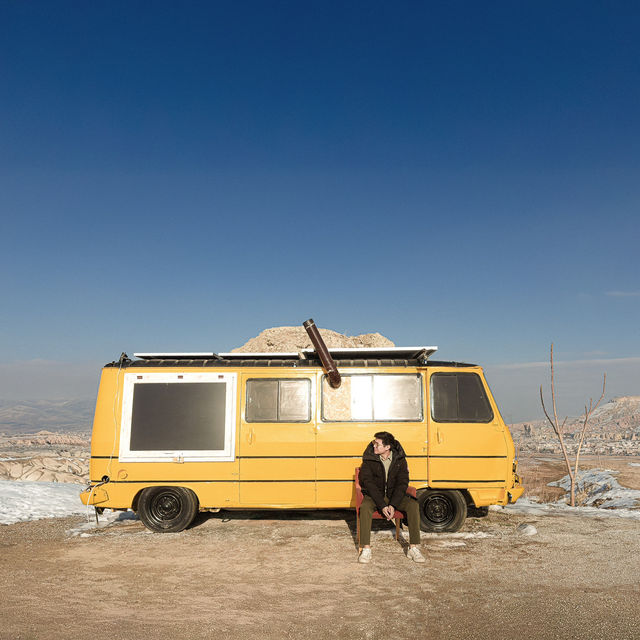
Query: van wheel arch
{"type": "Point", "coordinates": [442, 509]}
{"type": "Point", "coordinates": [136, 501]}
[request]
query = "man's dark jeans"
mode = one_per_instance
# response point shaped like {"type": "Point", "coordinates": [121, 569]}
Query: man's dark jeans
{"type": "Point", "coordinates": [409, 505]}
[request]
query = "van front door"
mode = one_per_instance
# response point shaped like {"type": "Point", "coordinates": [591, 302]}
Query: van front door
{"type": "Point", "coordinates": [467, 445]}
{"type": "Point", "coordinates": [277, 443]}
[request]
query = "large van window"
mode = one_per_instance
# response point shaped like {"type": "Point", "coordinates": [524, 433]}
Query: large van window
{"type": "Point", "coordinates": [178, 416]}
{"type": "Point", "coordinates": [278, 400]}
{"type": "Point", "coordinates": [373, 398]}
{"type": "Point", "coordinates": [459, 397]}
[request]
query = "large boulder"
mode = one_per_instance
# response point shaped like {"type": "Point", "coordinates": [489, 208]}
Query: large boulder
{"type": "Point", "coordinates": [293, 339]}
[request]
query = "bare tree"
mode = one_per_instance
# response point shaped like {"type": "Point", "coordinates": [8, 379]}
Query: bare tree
{"type": "Point", "coordinates": [559, 429]}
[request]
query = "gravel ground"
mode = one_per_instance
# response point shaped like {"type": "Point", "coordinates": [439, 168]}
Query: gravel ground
{"type": "Point", "coordinates": [295, 575]}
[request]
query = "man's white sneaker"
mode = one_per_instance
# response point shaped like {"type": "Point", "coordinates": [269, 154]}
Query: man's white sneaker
{"type": "Point", "coordinates": [365, 556]}
{"type": "Point", "coordinates": [415, 555]}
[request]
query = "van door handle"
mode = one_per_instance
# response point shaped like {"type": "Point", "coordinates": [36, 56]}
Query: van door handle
{"type": "Point", "coordinates": [439, 435]}
{"type": "Point", "coordinates": [250, 436]}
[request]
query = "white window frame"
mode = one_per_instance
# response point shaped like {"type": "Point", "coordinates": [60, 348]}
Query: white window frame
{"type": "Point", "coordinates": [216, 455]}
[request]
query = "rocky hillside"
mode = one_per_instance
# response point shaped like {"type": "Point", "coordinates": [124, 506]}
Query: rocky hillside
{"type": "Point", "coordinates": [617, 414]}
{"type": "Point", "coordinates": [617, 419]}
{"type": "Point", "coordinates": [613, 430]}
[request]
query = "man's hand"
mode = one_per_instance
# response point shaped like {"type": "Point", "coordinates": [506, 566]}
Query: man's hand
{"type": "Point", "coordinates": [388, 512]}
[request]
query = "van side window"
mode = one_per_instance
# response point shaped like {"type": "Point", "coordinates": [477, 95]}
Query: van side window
{"type": "Point", "coordinates": [187, 416]}
{"type": "Point", "coordinates": [278, 400]}
{"type": "Point", "coordinates": [459, 397]}
{"type": "Point", "coordinates": [374, 398]}
{"type": "Point", "coordinates": [169, 416]}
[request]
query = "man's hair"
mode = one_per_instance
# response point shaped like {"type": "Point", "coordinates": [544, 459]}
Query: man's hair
{"type": "Point", "coordinates": [387, 439]}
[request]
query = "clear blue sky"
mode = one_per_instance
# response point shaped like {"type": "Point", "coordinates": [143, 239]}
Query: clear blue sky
{"type": "Point", "coordinates": [179, 176]}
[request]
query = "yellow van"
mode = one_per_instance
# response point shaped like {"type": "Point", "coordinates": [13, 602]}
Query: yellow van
{"type": "Point", "coordinates": [175, 434]}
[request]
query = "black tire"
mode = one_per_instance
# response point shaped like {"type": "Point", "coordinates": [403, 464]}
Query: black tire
{"type": "Point", "coordinates": [167, 509]}
{"type": "Point", "coordinates": [442, 510]}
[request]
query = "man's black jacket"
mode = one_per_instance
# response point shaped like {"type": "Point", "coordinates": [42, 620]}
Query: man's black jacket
{"type": "Point", "coordinates": [372, 476]}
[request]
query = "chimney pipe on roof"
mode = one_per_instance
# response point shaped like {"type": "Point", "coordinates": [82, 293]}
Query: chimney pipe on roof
{"type": "Point", "coordinates": [328, 364]}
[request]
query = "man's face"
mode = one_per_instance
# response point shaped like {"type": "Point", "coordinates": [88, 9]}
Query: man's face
{"type": "Point", "coordinates": [380, 448]}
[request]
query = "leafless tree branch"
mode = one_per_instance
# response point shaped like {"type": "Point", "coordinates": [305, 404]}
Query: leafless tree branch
{"type": "Point", "coordinates": [558, 429]}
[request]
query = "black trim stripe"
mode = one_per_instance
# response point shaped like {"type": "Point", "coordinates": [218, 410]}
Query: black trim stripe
{"type": "Point", "coordinates": [163, 481]}
{"type": "Point", "coordinates": [350, 480]}
{"type": "Point", "coordinates": [501, 480]}
{"type": "Point", "coordinates": [294, 457]}
{"type": "Point", "coordinates": [304, 457]}
{"type": "Point", "coordinates": [498, 457]}
{"type": "Point", "coordinates": [310, 457]}
{"type": "Point", "coordinates": [306, 481]}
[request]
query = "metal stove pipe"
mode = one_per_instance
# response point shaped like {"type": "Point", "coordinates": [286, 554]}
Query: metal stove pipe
{"type": "Point", "coordinates": [328, 363]}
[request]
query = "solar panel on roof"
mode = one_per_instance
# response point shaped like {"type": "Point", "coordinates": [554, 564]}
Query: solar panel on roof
{"type": "Point", "coordinates": [177, 356]}
{"type": "Point", "coordinates": [340, 353]}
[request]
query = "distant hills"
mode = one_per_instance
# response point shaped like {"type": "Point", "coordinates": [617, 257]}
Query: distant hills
{"type": "Point", "coordinates": [31, 416]}
{"type": "Point", "coordinates": [616, 417]}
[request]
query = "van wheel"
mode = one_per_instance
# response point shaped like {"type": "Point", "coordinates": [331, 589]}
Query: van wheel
{"type": "Point", "coordinates": [167, 509]}
{"type": "Point", "coordinates": [442, 510]}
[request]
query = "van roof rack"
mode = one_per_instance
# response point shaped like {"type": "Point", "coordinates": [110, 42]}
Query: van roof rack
{"type": "Point", "coordinates": [200, 355]}
{"type": "Point", "coordinates": [338, 353]}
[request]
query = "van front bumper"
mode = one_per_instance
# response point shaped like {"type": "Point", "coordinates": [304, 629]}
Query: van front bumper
{"type": "Point", "coordinates": [94, 496]}
{"type": "Point", "coordinates": [514, 493]}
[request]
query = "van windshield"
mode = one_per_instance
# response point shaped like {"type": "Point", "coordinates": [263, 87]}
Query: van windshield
{"type": "Point", "coordinates": [459, 397]}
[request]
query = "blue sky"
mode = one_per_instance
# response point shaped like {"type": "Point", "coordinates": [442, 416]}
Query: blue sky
{"type": "Point", "coordinates": [179, 176]}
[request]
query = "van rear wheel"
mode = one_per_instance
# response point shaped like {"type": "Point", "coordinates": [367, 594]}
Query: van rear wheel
{"type": "Point", "coordinates": [442, 510]}
{"type": "Point", "coordinates": [167, 509]}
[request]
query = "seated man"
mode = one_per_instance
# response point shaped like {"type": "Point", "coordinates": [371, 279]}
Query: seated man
{"type": "Point", "coordinates": [384, 478]}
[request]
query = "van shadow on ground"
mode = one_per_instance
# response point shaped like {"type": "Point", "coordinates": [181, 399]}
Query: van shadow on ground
{"type": "Point", "coordinates": [348, 516]}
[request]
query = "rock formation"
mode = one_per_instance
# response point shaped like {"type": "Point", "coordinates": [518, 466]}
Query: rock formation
{"type": "Point", "coordinates": [292, 339]}
{"type": "Point", "coordinates": [46, 468]}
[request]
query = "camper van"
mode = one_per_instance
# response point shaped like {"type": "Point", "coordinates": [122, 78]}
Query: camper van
{"type": "Point", "coordinates": [179, 433]}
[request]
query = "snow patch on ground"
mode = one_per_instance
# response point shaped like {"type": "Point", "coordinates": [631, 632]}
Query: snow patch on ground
{"type": "Point", "coordinates": [634, 464]}
{"type": "Point", "coordinates": [602, 495]}
{"type": "Point", "coordinates": [601, 489]}
{"type": "Point", "coordinates": [22, 501]}
{"type": "Point", "coordinates": [105, 519]}
{"type": "Point", "coordinates": [528, 506]}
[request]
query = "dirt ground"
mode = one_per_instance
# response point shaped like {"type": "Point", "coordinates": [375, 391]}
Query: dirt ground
{"type": "Point", "coordinates": [295, 575]}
